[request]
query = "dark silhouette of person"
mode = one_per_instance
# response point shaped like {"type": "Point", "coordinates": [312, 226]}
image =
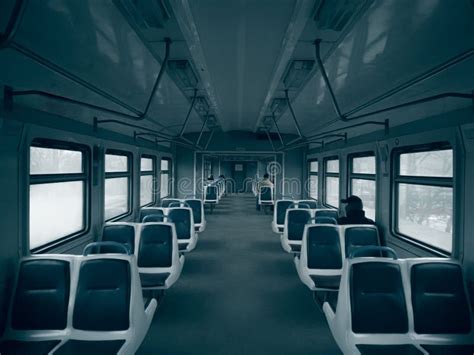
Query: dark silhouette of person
{"type": "Point", "coordinates": [354, 212]}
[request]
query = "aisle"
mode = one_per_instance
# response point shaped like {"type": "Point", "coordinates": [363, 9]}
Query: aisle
{"type": "Point", "coordinates": [239, 294]}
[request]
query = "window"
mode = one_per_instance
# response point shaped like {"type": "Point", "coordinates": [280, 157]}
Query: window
{"type": "Point", "coordinates": [147, 180]}
{"type": "Point", "coordinates": [207, 169]}
{"type": "Point", "coordinates": [117, 185]}
{"type": "Point", "coordinates": [362, 181]}
{"type": "Point", "coordinates": [331, 191]}
{"type": "Point", "coordinates": [313, 179]}
{"type": "Point", "coordinates": [58, 192]}
{"type": "Point", "coordinates": [165, 177]}
{"type": "Point", "coordinates": [424, 196]}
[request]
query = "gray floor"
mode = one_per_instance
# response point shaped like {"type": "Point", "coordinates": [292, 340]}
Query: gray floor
{"type": "Point", "coordinates": [238, 294]}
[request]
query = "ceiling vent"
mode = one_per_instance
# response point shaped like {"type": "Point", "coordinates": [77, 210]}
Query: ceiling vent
{"type": "Point", "coordinates": [147, 13]}
{"type": "Point", "coordinates": [335, 14]}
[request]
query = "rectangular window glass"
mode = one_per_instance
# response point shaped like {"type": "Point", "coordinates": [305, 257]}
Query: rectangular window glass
{"type": "Point", "coordinates": [56, 211]}
{"type": "Point", "coordinates": [165, 188]}
{"type": "Point", "coordinates": [116, 163]}
{"type": "Point", "coordinates": [55, 161]}
{"type": "Point", "coordinates": [332, 191]}
{"type": "Point", "coordinates": [147, 181]}
{"type": "Point", "coordinates": [365, 189]}
{"type": "Point", "coordinates": [425, 213]}
{"type": "Point", "coordinates": [363, 165]}
{"type": "Point", "coordinates": [313, 186]}
{"type": "Point", "coordinates": [424, 197]}
{"type": "Point", "coordinates": [146, 164]}
{"type": "Point", "coordinates": [164, 191]}
{"type": "Point", "coordinates": [435, 163]}
{"type": "Point", "coordinates": [332, 166]}
{"type": "Point", "coordinates": [313, 167]}
{"type": "Point", "coordinates": [57, 192]}
{"type": "Point", "coordinates": [362, 181]}
{"type": "Point", "coordinates": [146, 189]}
{"type": "Point", "coordinates": [116, 197]}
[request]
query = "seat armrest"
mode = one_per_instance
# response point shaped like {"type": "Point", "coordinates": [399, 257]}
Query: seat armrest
{"type": "Point", "coordinates": [328, 312]}
{"type": "Point", "coordinates": [150, 309]}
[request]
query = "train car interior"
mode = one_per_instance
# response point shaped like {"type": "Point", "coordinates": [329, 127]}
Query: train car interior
{"type": "Point", "coordinates": [237, 177]}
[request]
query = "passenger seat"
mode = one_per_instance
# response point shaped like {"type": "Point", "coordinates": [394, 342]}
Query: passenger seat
{"type": "Point", "coordinates": [77, 304]}
{"type": "Point", "coordinates": [159, 262]}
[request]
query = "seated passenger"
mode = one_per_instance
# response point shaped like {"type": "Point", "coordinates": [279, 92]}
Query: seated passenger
{"type": "Point", "coordinates": [354, 212]}
{"type": "Point", "coordinates": [266, 182]}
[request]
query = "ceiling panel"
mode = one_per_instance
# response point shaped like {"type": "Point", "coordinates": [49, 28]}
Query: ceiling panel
{"type": "Point", "coordinates": [241, 41]}
{"type": "Point", "coordinates": [393, 42]}
{"type": "Point", "coordinates": [92, 40]}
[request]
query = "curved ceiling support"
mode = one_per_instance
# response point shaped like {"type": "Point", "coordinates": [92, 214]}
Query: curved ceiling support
{"type": "Point", "coordinates": [136, 115]}
{"type": "Point", "coordinates": [317, 45]}
{"type": "Point", "coordinates": [423, 100]}
{"type": "Point", "coordinates": [158, 78]}
{"type": "Point", "coordinates": [278, 131]}
{"type": "Point", "coordinates": [326, 133]}
{"type": "Point", "coordinates": [9, 94]}
{"type": "Point", "coordinates": [209, 140]}
{"type": "Point", "coordinates": [341, 136]}
{"type": "Point", "coordinates": [270, 139]}
{"type": "Point", "coordinates": [416, 80]}
{"type": "Point", "coordinates": [74, 78]}
{"type": "Point", "coordinates": [13, 23]}
{"type": "Point", "coordinates": [406, 85]}
{"type": "Point", "coordinates": [201, 132]}
{"type": "Point", "coordinates": [298, 128]}
{"type": "Point", "coordinates": [301, 145]}
{"type": "Point", "coordinates": [188, 115]}
{"type": "Point", "coordinates": [160, 139]}
{"type": "Point", "coordinates": [97, 122]}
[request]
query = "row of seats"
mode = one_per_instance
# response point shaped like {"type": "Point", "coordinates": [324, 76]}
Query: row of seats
{"type": "Point", "coordinates": [375, 304]}
{"type": "Point", "coordinates": [64, 304]}
{"type": "Point", "coordinates": [94, 303]}
{"type": "Point", "coordinates": [214, 191]}
{"type": "Point", "coordinates": [391, 306]}
{"type": "Point", "coordinates": [155, 246]}
{"type": "Point", "coordinates": [297, 222]}
{"type": "Point", "coordinates": [195, 204]}
{"type": "Point", "coordinates": [281, 206]}
{"type": "Point", "coordinates": [181, 217]}
{"type": "Point", "coordinates": [325, 247]}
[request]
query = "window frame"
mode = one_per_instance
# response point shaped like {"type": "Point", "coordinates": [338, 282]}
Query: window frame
{"type": "Point", "coordinates": [312, 173]}
{"type": "Point", "coordinates": [120, 174]}
{"type": "Point", "coordinates": [398, 179]}
{"type": "Point", "coordinates": [361, 176]}
{"type": "Point", "coordinates": [167, 172]}
{"type": "Point", "coordinates": [40, 179]}
{"type": "Point", "coordinates": [148, 173]}
{"type": "Point", "coordinates": [326, 175]}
